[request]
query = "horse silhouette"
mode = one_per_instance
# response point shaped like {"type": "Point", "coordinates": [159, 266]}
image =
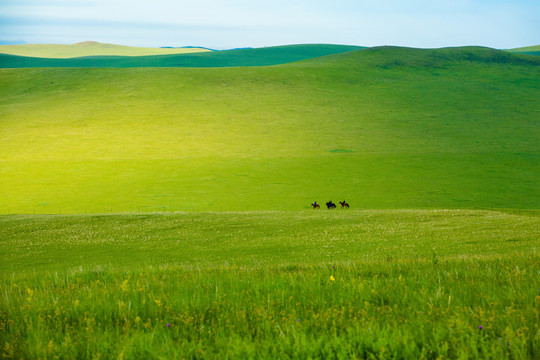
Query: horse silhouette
{"type": "Point", "coordinates": [330, 205]}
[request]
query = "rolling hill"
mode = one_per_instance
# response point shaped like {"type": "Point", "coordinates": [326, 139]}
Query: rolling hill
{"type": "Point", "coordinates": [527, 50]}
{"type": "Point", "coordinates": [382, 127]}
{"type": "Point", "coordinates": [89, 48]}
{"type": "Point", "coordinates": [228, 58]}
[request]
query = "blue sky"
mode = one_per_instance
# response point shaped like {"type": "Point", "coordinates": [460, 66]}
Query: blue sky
{"type": "Point", "coordinates": [241, 23]}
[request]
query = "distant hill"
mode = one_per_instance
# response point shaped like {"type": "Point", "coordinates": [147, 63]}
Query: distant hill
{"type": "Point", "coordinates": [382, 127]}
{"type": "Point", "coordinates": [390, 57]}
{"type": "Point", "coordinates": [525, 48]}
{"type": "Point", "coordinates": [528, 50]}
{"type": "Point", "coordinates": [534, 53]}
{"type": "Point", "coordinates": [228, 58]}
{"type": "Point", "coordinates": [89, 48]}
{"type": "Point", "coordinates": [202, 47]}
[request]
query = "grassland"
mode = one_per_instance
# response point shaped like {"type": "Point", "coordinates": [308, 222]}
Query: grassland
{"type": "Point", "coordinates": [527, 50]}
{"type": "Point", "coordinates": [88, 48]}
{"type": "Point", "coordinates": [400, 284]}
{"type": "Point", "coordinates": [247, 271]}
{"type": "Point", "coordinates": [241, 57]}
{"type": "Point", "coordinates": [382, 128]}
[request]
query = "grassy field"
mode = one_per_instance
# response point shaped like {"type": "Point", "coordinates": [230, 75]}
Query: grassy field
{"type": "Point", "coordinates": [246, 271]}
{"type": "Point", "coordinates": [527, 50]}
{"type": "Point", "coordinates": [88, 48]}
{"type": "Point", "coordinates": [400, 284]}
{"type": "Point", "coordinates": [240, 57]}
{"type": "Point", "coordinates": [381, 128]}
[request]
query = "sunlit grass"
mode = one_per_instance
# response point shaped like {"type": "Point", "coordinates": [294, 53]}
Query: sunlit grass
{"type": "Point", "coordinates": [468, 308]}
{"type": "Point", "coordinates": [366, 284]}
{"type": "Point", "coordinates": [380, 128]}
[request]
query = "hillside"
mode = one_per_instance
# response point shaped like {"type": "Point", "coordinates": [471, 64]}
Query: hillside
{"type": "Point", "coordinates": [382, 128]}
{"type": "Point", "coordinates": [240, 57]}
{"type": "Point", "coordinates": [88, 48]}
{"type": "Point", "coordinates": [527, 50]}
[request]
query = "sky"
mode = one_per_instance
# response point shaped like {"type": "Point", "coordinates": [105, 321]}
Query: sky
{"type": "Point", "coordinates": [257, 23]}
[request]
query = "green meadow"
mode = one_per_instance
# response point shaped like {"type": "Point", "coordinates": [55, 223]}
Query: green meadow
{"type": "Point", "coordinates": [155, 212]}
{"type": "Point", "coordinates": [528, 50]}
{"type": "Point", "coordinates": [371, 284]}
{"type": "Point", "coordinates": [381, 128]}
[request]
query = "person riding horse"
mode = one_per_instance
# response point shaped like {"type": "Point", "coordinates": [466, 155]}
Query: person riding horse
{"type": "Point", "coordinates": [330, 205]}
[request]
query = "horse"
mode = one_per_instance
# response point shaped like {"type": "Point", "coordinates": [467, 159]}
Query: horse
{"type": "Point", "coordinates": [330, 205]}
{"type": "Point", "coordinates": [344, 204]}
{"type": "Point", "coordinates": [316, 206]}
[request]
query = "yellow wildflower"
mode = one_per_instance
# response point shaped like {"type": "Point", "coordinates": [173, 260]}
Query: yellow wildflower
{"type": "Point", "coordinates": [124, 285]}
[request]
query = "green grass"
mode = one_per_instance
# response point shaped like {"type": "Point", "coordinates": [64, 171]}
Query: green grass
{"type": "Point", "coordinates": [534, 53]}
{"type": "Point", "coordinates": [229, 58]}
{"type": "Point", "coordinates": [527, 50]}
{"type": "Point", "coordinates": [267, 238]}
{"type": "Point", "coordinates": [402, 284]}
{"type": "Point", "coordinates": [88, 48]}
{"type": "Point", "coordinates": [382, 128]}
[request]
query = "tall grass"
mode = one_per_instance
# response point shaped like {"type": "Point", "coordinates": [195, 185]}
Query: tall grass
{"type": "Point", "coordinates": [467, 308]}
{"type": "Point", "coordinates": [374, 284]}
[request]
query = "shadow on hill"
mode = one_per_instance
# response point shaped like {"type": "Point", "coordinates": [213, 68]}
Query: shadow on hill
{"type": "Point", "coordinates": [384, 57]}
{"type": "Point", "coordinates": [229, 58]}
